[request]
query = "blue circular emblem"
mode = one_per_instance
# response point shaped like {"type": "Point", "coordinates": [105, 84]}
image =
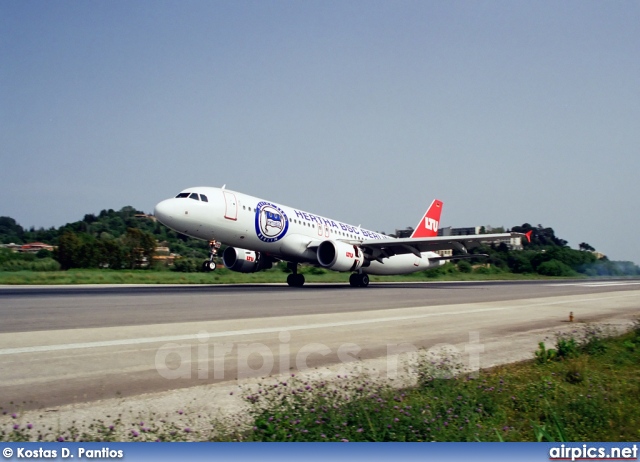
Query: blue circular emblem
{"type": "Point", "coordinates": [271, 222]}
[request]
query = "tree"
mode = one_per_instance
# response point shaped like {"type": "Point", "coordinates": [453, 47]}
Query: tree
{"type": "Point", "coordinates": [68, 251]}
{"type": "Point", "coordinates": [585, 246]}
{"type": "Point", "coordinates": [519, 263]}
{"type": "Point", "coordinates": [10, 231]}
{"type": "Point", "coordinates": [541, 237]}
{"type": "Point", "coordinates": [112, 253]}
{"type": "Point", "coordinates": [139, 247]}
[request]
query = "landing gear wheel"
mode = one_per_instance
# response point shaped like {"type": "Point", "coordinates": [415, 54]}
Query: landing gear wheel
{"type": "Point", "coordinates": [208, 266]}
{"type": "Point", "coordinates": [359, 280]}
{"type": "Point", "coordinates": [295, 280]}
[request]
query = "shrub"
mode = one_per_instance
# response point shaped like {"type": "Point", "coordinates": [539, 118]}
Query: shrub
{"type": "Point", "coordinates": [45, 264]}
{"type": "Point", "coordinates": [519, 263]}
{"type": "Point", "coordinates": [593, 342]}
{"type": "Point", "coordinates": [187, 265]}
{"type": "Point", "coordinates": [567, 347]}
{"type": "Point", "coordinates": [554, 268]}
{"type": "Point", "coordinates": [316, 270]}
{"type": "Point", "coordinates": [544, 355]}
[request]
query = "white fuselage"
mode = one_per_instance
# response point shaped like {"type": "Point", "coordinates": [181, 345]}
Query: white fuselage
{"type": "Point", "coordinates": [287, 233]}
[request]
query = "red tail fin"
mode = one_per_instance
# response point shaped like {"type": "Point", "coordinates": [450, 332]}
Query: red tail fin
{"type": "Point", "coordinates": [428, 226]}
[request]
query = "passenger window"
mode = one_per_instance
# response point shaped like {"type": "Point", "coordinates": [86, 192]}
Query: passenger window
{"type": "Point", "coordinates": [181, 195]}
{"type": "Point", "coordinates": [194, 196]}
{"type": "Point", "coordinates": [204, 198]}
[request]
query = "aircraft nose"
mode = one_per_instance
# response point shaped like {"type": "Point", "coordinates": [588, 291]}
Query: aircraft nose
{"type": "Point", "coordinates": [164, 211]}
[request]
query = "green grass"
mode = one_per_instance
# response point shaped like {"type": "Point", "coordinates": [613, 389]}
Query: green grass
{"type": "Point", "coordinates": [589, 392]}
{"type": "Point", "coordinates": [224, 276]}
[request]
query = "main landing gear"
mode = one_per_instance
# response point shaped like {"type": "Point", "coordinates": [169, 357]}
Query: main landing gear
{"type": "Point", "coordinates": [297, 280]}
{"type": "Point", "coordinates": [210, 265]}
{"type": "Point", "coordinates": [294, 279]}
{"type": "Point", "coordinates": [359, 280]}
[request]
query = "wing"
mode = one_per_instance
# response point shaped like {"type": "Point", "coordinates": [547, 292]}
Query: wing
{"type": "Point", "coordinates": [376, 249]}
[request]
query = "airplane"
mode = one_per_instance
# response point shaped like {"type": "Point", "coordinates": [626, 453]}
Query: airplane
{"type": "Point", "coordinates": [259, 233]}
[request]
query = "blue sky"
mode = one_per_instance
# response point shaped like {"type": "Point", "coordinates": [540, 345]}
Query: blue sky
{"type": "Point", "coordinates": [364, 111]}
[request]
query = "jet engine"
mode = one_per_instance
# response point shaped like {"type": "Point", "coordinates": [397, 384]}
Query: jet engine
{"type": "Point", "coordinates": [339, 256]}
{"type": "Point", "coordinates": [245, 261]}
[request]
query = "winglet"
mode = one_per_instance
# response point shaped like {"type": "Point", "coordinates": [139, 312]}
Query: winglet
{"type": "Point", "coordinates": [428, 226]}
{"type": "Point", "coordinates": [528, 234]}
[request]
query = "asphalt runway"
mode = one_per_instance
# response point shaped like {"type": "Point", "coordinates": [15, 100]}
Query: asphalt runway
{"type": "Point", "coordinates": [63, 345]}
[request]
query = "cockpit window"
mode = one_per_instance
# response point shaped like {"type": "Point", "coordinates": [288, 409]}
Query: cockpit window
{"type": "Point", "coordinates": [193, 196]}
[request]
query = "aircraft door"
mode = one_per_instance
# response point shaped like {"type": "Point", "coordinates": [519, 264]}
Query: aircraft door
{"type": "Point", "coordinates": [323, 229]}
{"type": "Point", "coordinates": [231, 206]}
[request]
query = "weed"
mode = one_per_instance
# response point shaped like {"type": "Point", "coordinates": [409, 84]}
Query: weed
{"type": "Point", "coordinates": [593, 342]}
{"type": "Point", "coordinates": [567, 347]}
{"type": "Point", "coordinates": [544, 355]}
{"type": "Point", "coordinates": [542, 434]}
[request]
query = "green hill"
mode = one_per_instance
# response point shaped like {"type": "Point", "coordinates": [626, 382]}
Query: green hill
{"type": "Point", "coordinates": [129, 238]}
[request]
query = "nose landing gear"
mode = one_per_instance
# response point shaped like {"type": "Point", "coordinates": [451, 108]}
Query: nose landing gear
{"type": "Point", "coordinates": [210, 265]}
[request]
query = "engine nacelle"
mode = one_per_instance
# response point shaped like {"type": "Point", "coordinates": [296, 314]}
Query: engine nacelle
{"type": "Point", "coordinates": [339, 256]}
{"type": "Point", "coordinates": [245, 261]}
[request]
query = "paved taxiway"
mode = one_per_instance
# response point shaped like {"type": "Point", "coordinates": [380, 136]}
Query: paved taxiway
{"type": "Point", "coordinates": [78, 344]}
